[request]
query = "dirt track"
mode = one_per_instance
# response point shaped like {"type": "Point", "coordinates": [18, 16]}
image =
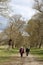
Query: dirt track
{"type": "Point", "coordinates": [17, 60]}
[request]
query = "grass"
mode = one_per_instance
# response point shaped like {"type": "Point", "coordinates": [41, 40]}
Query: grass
{"type": "Point", "coordinates": [5, 54]}
{"type": "Point", "coordinates": [38, 52]}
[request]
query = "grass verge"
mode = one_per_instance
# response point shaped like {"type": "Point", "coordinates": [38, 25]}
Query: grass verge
{"type": "Point", "coordinates": [38, 52]}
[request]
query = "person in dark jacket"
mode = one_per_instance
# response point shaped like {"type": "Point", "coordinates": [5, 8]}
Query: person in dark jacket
{"type": "Point", "coordinates": [27, 51]}
{"type": "Point", "coordinates": [21, 51]}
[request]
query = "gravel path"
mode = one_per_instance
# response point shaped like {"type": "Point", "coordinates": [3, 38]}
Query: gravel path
{"type": "Point", "coordinates": [17, 60]}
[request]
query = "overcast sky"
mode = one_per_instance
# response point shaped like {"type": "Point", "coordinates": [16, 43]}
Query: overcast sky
{"type": "Point", "coordinates": [23, 7]}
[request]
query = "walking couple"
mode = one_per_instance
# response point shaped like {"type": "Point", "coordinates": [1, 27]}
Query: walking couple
{"type": "Point", "coordinates": [22, 51]}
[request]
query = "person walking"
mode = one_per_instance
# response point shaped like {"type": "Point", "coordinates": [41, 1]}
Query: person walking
{"type": "Point", "coordinates": [27, 51]}
{"type": "Point", "coordinates": [21, 51]}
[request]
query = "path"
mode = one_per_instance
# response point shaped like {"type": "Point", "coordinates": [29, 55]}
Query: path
{"type": "Point", "coordinates": [17, 60]}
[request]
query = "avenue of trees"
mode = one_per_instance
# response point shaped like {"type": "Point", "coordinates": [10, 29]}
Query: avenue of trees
{"type": "Point", "coordinates": [16, 26]}
{"type": "Point", "coordinates": [35, 25]}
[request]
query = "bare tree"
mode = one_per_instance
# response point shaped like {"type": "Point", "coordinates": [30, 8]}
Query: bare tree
{"type": "Point", "coordinates": [13, 29]}
{"type": "Point", "coordinates": [38, 5]}
{"type": "Point", "coordinates": [39, 8]}
{"type": "Point", "coordinates": [4, 8]}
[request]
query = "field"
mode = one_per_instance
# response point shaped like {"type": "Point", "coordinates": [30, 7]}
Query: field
{"type": "Point", "coordinates": [6, 53]}
{"type": "Point", "coordinates": [38, 52]}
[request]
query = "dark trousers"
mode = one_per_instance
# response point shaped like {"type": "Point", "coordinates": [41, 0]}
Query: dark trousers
{"type": "Point", "coordinates": [21, 54]}
{"type": "Point", "coordinates": [27, 53]}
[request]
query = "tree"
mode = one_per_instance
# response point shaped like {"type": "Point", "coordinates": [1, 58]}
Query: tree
{"type": "Point", "coordinates": [33, 31]}
{"type": "Point", "coordinates": [13, 30]}
{"type": "Point", "coordinates": [4, 8]}
{"type": "Point", "coordinates": [3, 0]}
{"type": "Point", "coordinates": [19, 41]}
{"type": "Point", "coordinates": [35, 25]}
{"type": "Point", "coordinates": [39, 7]}
{"type": "Point", "coordinates": [17, 19]}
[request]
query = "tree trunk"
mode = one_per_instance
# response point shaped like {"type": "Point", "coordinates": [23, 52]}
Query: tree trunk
{"type": "Point", "coordinates": [12, 45]}
{"type": "Point", "coordinates": [36, 44]}
{"type": "Point", "coordinates": [40, 43]}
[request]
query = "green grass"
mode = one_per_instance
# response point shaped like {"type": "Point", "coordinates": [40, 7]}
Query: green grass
{"type": "Point", "coordinates": [8, 52]}
{"type": "Point", "coordinates": [38, 52]}
{"type": "Point", "coordinates": [5, 54]}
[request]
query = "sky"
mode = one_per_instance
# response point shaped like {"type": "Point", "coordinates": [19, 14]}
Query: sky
{"type": "Point", "coordinates": [23, 7]}
{"type": "Point", "coordinates": [3, 23]}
